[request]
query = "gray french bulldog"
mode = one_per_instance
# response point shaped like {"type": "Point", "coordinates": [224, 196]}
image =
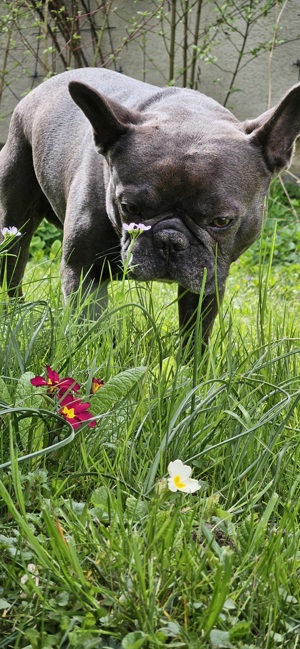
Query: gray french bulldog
{"type": "Point", "coordinates": [92, 150]}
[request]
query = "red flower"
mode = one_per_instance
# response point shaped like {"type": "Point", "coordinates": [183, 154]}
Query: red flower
{"type": "Point", "coordinates": [96, 384]}
{"type": "Point", "coordinates": [76, 412]}
{"type": "Point", "coordinates": [54, 383]}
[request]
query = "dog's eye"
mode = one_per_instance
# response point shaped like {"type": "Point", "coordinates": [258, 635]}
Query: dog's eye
{"type": "Point", "coordinates": [221, 222]}
{"type": "Point", "coordinates": [129, 210]}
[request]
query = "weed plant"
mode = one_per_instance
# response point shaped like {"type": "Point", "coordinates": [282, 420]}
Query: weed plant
{"type": "Point", "coordinates": [96, 552]}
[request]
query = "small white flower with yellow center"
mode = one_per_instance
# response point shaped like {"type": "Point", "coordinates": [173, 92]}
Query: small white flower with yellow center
{"type": "Point", "coordinates": [180, 480]}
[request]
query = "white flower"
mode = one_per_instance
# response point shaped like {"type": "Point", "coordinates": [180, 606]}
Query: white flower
{"type": "Point", "coordinates": [180, 480]}
{"type": "Point", "coordinates": [11, 231]}
{"type": "Point", "coordinates": [32, 569]}
{"type": "Point", "coordinates": [136, 227]}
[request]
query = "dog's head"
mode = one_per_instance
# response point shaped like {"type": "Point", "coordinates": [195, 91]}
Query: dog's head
{"type": "Point", "coordinates": [192, 172]}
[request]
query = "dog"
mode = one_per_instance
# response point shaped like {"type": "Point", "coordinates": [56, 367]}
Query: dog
{"type": "Point", "coordinates": [94, 151]}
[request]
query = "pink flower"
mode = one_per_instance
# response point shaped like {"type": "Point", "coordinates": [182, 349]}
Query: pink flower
{"type": "Point", "coordinates": [96, 384]}
{"type": "Point", "coordinates": [55, 383]}
{"type": "Point", "coordinates": [11, 231]}
{"type": "Point", "coordinates": [76, 411]}
{"type": "Point", "coordinates": [136, 227]}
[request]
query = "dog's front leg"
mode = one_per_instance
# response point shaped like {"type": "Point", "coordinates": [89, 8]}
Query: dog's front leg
{"type": "Point", "coordinates": [84, 289]}
{"type": "Point", "coordinates": [188, 303]}
{"type": "Point", "coordinates": [91, 249]}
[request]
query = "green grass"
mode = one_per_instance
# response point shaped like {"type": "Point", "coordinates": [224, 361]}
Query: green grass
{"type": "Point", "coordinates": [120, 561]}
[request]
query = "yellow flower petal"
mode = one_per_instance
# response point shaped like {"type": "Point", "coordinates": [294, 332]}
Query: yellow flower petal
{"type": "Point", "coordinates": [178, 482]}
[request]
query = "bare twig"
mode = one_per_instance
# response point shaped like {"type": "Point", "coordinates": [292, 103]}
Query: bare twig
{"type": "Point", "coordinates": [195, 44]}
{"type": "Point", "coordinates": [240, 56]}
{"type": "Point", "coordinates": [172, 42]}
{"type": "Point", "coordinates": [185, 41]}
{"type": "Point", "coordinates": [106, 12]}
{"type": "Point", "coordinates": [275, 33]}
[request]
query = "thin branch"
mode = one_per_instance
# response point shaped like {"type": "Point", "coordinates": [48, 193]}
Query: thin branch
{"type": "Point", "coordinates": [107, 10]}
{"type": "Point", "coordinates": [276, 29]}
{"type": "Point", "coordinates": [195, 44]}
{"type": "Point", "coordinates": [185, 41]}
{"type": "Point", "coordinates": [240, 56]}
{"type": "Point", "coordinates": [172, 41]}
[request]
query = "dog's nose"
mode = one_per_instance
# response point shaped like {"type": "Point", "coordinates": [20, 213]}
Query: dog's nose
{"type": "Point", "coordinates": [170, 240]}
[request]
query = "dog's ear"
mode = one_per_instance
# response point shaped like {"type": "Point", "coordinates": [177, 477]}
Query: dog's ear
{"type": "Point", "coordinates": [276, 130]}
{"type": "Point", "coordinates": [108, 118]}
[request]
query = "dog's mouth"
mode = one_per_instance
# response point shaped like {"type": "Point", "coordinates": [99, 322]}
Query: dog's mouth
{"type": "Point", "coordinates": [169, 252]}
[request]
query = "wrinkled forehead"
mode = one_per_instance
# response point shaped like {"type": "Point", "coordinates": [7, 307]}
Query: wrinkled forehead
{"type": "Point", "coordinates": [186, 165]}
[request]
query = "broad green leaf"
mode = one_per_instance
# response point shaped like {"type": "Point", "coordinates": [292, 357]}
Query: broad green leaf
{"type": "Point", "coordinates": [4, 604]}
{"type": "Point", "coordinates": [99, 500]}
{"type": "Point", "coordinates": [134, 640]}
{"type": "Point", "coordinates": [220, 639]}
{"type": "Point", "coordinates": [167, 369]}
{"type": "Point", "coordinates": [4, 392]}
{"type": "Point", "coordinates": [221, 586]}
{"type": "Point", "coordinates": [239, 630]}
{"type": "Point", "coordinates": [26, 395]}
{"type": "Point", "coordinates": [116, 389]}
